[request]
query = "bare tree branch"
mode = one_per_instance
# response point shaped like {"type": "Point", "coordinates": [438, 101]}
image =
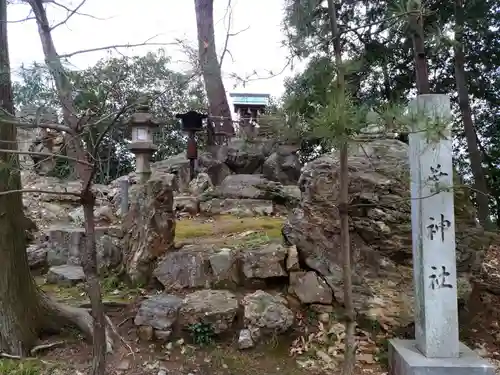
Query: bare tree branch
{"type": "Point", "coordinates": [229, 16]}
{"type": "Point", "coordinates": [116, 46]}
{"type": "Point", "coordinates": [71, 13]}
{"type": "Point", "coordinates": [75, 11]}
{"type": "Point", "coordinates": [48, 154]}
{"type": "Point", "coordinates": [38, 191]}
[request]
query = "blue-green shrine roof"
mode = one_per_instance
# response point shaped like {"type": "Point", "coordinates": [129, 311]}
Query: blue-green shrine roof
{"type": "Point", "coordinates": [250, 99]}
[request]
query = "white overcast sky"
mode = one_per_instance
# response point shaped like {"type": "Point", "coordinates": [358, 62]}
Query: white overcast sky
{"type": "Point", "coordinates": [131, 21]}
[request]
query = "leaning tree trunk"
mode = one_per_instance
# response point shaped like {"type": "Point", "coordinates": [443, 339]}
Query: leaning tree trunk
{"type": "Point", "coordinates": [476, 160]}
{"type": "Point", "coordinates": [210, 67]}
{"type": "Point", "coordinates": [85, 173]}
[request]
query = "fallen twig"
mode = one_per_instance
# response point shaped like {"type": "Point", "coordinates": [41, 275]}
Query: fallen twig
{"type": "Point", "coordinates": [115, 331]}
{"type": "Point", "coordinates": [86, 305]}
{"type": "Point", "coordinates": [41, 347]}
{"type": "Point", "coordinates": [10, 356]}
{"type": "Point", "coordinates": [123, 321]}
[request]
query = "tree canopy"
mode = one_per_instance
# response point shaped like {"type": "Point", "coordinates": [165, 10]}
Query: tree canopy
{"type": "Point", "coordinates": [376, 40]}
{"type": "Point", "coordinates": [111, 84]}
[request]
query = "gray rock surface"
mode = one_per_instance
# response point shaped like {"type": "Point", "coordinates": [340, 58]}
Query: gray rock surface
{"type": "Point", "coordinates": [310, 288]}
{"type": "Point", "coordinates": [267, 312]}
{"type": "Point", "coordinates": [158, 311]}
{"type": "Point", "coordinates": [65, 275]}
{"type": "Point", "coordinates": [216, 308]}
{"type": "Point", "coordinates": [237, 207]}
{"type": "Point", "coordinates": [267, 261]}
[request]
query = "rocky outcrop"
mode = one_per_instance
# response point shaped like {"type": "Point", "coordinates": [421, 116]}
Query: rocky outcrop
{"type": "Point", "coordinates": [149, 227]}
{"type": "Point", "coordinates": [65, 244]}
{"type": "Point", "coordinates": [253, 186]}
{"type": "Point", "coordinates": [204, 266]}
{"type": "Point", "coordinates": [162, 315]}
{"type": "Point", "coordinates": [48, 142]}
{"type": "Point", "coordinates": [39, 140]}
{"type": "Point", "coordinates": [178, 166]}
{"type": "Point", "coordinates": [380, 224]}
{"type": "Point", "coordinates": [237, 207]}
{"type": "Point", "coordinates": [252, 156]}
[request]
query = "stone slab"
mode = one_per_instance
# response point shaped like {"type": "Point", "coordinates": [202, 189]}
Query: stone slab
{"type": "Point", "coordinates": [433, 231]}
{"type": "Point", "coordinates": [406, 359]}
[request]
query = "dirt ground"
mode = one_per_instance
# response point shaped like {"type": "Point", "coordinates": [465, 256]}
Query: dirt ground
{"type": "Point", "coordinates": [314, 347]}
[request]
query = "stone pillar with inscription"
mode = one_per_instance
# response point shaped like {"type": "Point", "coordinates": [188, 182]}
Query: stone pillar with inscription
{"type": "Point", "coordinates": [436, 348]}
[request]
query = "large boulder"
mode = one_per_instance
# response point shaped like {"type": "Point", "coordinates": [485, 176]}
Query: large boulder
{"type": "Point", "coordinates": [266, 312]}
{"type": "Point", "coordinates": [178, 166]}
{"type": "Point", "coordinates": [213, 165]}
{"type": "Point", "coordinates": [283, 165]}
{"type": "Point", "coordinates": [159, 312]}
{"type": "Point", "coordinates": [188, 267]}
{"type": "Point", "coordinates": [252, 186]}
{"type": "Point", "coordinates": [216, 308]}
{"type": "Point", "coordinates": [380, 221]}
{"type": "Point", "coordinates": [149, 226]}
{"type": "Point", "coordinates": [245, 156]}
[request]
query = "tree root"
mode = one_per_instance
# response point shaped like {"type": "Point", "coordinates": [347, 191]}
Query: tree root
{"type": "Point", "coordinates": [68, 316]}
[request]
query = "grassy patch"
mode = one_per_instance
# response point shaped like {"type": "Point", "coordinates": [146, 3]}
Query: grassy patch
{"type": "Point", "coordinates": [20, 367]}
{"type": "Point", "coordinates": [252, 241]}
{"type": "Point", "coordinates": [268, 358]}
{"type": "Point", "coordinates": [189, 229]}
{"type": "Point", "coordinates": [112, 290]}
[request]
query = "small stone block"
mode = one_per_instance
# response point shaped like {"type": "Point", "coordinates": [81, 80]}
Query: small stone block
{"type": "Point", "coordinates": [406, 359]}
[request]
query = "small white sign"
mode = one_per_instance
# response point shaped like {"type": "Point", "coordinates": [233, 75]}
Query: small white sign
{"type": "Point", "coordinates": [141, 135]}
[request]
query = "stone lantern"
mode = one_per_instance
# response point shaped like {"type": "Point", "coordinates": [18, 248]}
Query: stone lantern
{"type": "Point", "coordinates": [191, 123]}
{"type": "Point", "coordinates": [142, 125]}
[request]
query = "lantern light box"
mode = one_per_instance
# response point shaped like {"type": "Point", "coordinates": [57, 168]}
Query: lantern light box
{"type": "Point", "coordinates": [142, 134]}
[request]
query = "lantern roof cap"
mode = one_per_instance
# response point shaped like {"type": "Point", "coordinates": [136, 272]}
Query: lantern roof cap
{"type": "Point", "coordinates": [142, 116]}
{"type": "Point", "coordinates": [191, 120]}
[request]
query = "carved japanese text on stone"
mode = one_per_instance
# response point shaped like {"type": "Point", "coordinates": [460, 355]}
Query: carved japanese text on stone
{"type": "Point", "coordinates": [439, 280]}
{"type": "Point", "coordinates": [439, 227]}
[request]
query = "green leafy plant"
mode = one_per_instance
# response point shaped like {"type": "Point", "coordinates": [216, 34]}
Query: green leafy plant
{"type": "Point", "coordinates": [202, 333]}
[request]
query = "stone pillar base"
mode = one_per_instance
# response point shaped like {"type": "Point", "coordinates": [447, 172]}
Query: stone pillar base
{"type": "Point", "coordinates": [406, 359]}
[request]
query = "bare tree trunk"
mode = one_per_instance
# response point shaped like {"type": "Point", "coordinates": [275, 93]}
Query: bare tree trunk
{"type": "Point", "coordinates": [90, 268]}
{"type": "Point", "coordinates": [85, 173]}
{"type": "Point", "coordinates": [345, 243]}
{"type": "Point", "coordinates": [476, 160]}
{"type": "Point", "coordinates": [210, 68]}
{"type": "Point", "coordinates": [417, 29]}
